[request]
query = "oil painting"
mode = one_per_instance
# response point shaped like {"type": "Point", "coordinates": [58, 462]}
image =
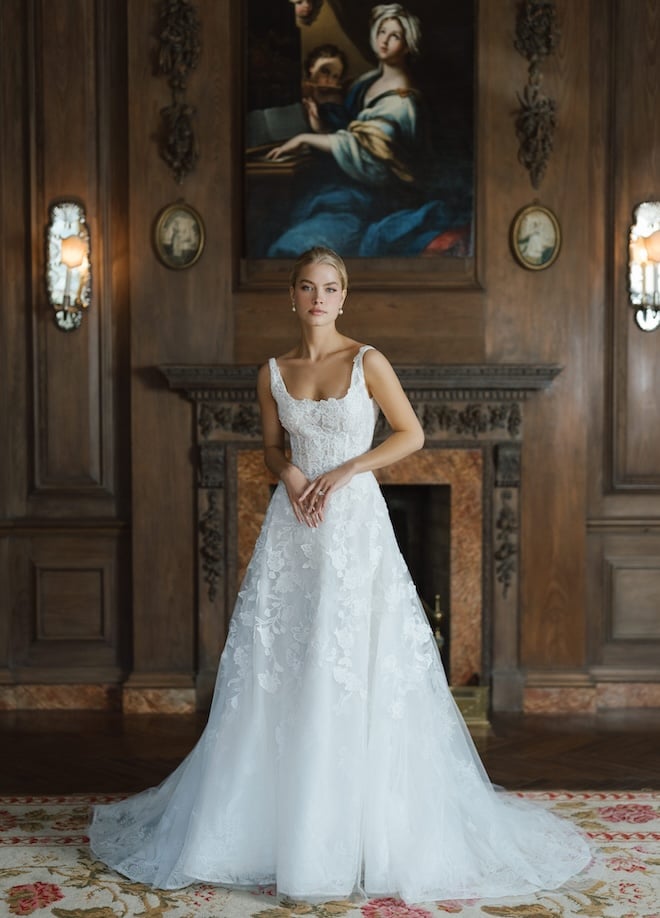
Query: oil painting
{"type": "Point", "coordinates": [359, 129]}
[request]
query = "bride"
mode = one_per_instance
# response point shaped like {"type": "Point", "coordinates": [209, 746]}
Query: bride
{"type": "Point", "coordinates": [334, 761]}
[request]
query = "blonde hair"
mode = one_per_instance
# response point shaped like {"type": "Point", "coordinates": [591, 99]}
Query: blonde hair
{"type": "Point", "coordinates": [320, 255]}
{"type": "Point", "coordinates": [409, 23]}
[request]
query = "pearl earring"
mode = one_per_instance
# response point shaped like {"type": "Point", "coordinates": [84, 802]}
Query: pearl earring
{"type": "Point", "coordinates": [341, 310]}
{"type": "Point", "coordinates": [293, 306]}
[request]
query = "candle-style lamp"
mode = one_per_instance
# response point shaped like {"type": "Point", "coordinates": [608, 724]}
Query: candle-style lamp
{"type": "Point", "coordinates": [644, 265]}
{"type": "Point", "coordinates": [68, 264]}
{"type": "Point", "coordinates": [74, 251]}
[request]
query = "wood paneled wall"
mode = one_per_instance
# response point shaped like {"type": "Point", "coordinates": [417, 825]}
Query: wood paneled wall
{"type": "Point", "coordinates": [97, 503]}
{"type": "Point", "coordinates": [624, 491]}
{"type": "Point", "coordinates": [65, 478]}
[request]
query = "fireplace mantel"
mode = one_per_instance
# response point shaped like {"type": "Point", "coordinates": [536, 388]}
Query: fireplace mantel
{"type": "Point", "coordinates": [237, 382]}
{"type": "Point", "coordinates": [475, 407]}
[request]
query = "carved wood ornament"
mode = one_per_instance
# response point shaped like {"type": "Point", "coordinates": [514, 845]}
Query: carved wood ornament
{"type": "Point", "coordinates": [178, 54]}
{"type": "Point", "coordinates": [537, 36]}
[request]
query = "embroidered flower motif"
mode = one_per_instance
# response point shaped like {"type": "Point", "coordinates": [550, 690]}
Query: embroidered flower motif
{"type": "Point", "coordinates": [27, 898]}
{"type": "Point", "coordinates": [269, 682]}
{"type": "Point", "coordinates": [628, 812]}
{"type": "Point", "coordinates": [392, 908]}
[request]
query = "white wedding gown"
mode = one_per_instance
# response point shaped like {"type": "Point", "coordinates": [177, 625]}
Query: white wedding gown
{"type": "Point", "coordinates": [334, 760]}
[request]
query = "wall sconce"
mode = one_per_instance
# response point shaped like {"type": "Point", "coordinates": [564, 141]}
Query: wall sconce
{"type": "Point", "coordinates": [644, 265]}
{"type": "Point", "coordinates": [68, 272]}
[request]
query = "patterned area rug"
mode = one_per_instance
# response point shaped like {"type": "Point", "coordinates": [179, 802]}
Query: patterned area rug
{"type": "Point", "coordinates": [46, 869]}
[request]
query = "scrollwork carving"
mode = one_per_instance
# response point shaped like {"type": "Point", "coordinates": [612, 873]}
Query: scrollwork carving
{"type": "Point", "coordinates": [211, 465]}
{"type": "Point", "coordinates": [212, 547]}
{"type": "Point", "coordinates": [537, 36]}
{"type": "Point", "coordinates": [507, 465]}
{"type": "Point", "coordinates": [473, 420]}
{"type": "Point", "coordinates": [235, 418]}
{"type": "Point", "coordinates": [178, 55]}
{"type": "Point", "coordinates": [506, 543]}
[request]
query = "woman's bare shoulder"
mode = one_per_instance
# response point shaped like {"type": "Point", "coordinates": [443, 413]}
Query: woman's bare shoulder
{"type": "Point", "coordinates": [373, 358]}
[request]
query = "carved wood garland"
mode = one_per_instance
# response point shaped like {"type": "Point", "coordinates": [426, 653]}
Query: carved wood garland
{"type": "Point", "coordinates": [537, 36]}
{"type": "Point", "coordinates": [178, 55]}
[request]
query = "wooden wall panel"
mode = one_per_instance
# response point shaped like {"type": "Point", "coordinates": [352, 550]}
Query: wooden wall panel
{"type": "Point", "coordinates": [65, 612]}
{"type": "Point", "coordinates": [14, 272]}
{"type": "Point", "coordinates": [176, 317]}
{"type": "Point", "coordinates": [541, 316]}
{"type": "Point", "coordinates": [636, 599]}
{"type": "Point", "coordinates": [635, 176]}
{"type": "Point", "coordinates": [64, 470]}
{"type": "Point", "coordinates": [65, 137]}
{"type": "Point", "coordinates": [624, 578]}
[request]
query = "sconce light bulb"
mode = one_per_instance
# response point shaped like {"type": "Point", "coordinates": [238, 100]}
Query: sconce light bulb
{"type": "Point", "coordinates": [74, 251]}
{"type": "Point", "coordinates": [638, 253]}
{"type": "Point", "coordinates": [652, 245]}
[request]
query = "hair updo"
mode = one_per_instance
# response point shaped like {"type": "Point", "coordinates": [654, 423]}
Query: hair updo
{"type": "Point", "coordinates": [320, 255]}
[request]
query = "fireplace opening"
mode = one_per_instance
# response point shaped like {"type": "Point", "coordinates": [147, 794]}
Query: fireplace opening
{"type": "Point", "coordinates": [421, 518]}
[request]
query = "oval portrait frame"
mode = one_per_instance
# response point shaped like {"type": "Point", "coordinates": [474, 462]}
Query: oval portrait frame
{"type": "Point", "coordinates": [535, 237]}
{"type": "Point", "coordinates": [179, 236]}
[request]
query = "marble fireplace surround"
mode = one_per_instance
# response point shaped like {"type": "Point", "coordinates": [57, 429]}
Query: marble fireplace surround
{"type": "Point", "coordinates": [473, 421]}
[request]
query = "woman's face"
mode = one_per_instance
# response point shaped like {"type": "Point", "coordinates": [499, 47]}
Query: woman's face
{"type": "Point", "coordinates": [391, 46]}
{"type": "Point", "coordinates": [318, 294]}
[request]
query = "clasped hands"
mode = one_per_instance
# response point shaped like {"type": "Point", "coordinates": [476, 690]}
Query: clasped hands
{"type": "Point", "coordinates": [309, 499]}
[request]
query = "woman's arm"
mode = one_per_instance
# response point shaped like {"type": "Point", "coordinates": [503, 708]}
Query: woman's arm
{"type": "Point", "coordinates": [407, 435]}
{"type": "Point", "coordinates": [317, 141]}
{"type": "Point", "coordinates": [275, 458]}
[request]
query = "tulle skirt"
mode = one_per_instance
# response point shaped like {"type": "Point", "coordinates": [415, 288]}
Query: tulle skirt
{"type": "Point", "coordinates": [335, 761]}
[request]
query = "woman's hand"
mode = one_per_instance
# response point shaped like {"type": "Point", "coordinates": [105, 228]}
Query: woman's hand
{"type": "Point", "coordinates": [316, 495]}
{"type": "Point", "coordinates": [289, 146]}
{"type": "Point", "coordinates": [296, 483]}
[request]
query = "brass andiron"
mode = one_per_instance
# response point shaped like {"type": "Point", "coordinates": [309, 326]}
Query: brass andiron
{"type": "Point", "coordinates": [437, 615]}
{"type": "Point", "coordinates": [473, 699]}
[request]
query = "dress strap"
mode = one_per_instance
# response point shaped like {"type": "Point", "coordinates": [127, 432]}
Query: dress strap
{"type": "Point", "coordinates": [276, 382]}
{"type": "Point", "coordinates": [360, 355]}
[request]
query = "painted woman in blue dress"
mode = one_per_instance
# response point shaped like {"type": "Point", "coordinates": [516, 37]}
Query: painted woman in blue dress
{"type": "Point", "coordinates": [374, 192]}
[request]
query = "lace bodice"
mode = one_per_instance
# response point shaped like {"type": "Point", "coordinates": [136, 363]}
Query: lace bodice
{"type": "Point", "coordinates": [326, 432]}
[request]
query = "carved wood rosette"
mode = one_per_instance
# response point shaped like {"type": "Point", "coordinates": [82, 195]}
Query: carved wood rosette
{"type": "Point", "coordinates": [537, 36]}
{"type": "Point", "coordinates": [460, 407]}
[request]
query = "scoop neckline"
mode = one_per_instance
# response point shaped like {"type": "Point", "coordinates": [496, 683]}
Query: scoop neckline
{"type": "Point", "coordinates": [331, 398]}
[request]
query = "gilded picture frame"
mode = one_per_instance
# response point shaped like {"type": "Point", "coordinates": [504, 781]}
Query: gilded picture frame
{"type": "Point", "coordinates": [444, 254]}
{"type": "Point", "coordinates": [535, 237]}
{"type": "Point", "coordinates": [179, 236]}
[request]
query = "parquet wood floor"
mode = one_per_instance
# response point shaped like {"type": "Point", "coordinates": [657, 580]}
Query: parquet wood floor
{"type": "Point", "coordinates": [87, 752]}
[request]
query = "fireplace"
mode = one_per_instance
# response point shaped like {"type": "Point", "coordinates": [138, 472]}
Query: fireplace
{"type": "Point", "coordinates": [421, 519]}
{"type": "Point", "coordinates": [473, 422]}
